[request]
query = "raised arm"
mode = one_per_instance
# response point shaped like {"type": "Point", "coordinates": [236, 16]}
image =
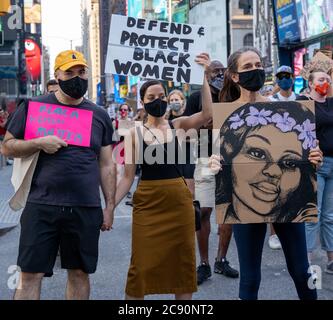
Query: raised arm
{"type": "Point", "coordinates": [196, 121]}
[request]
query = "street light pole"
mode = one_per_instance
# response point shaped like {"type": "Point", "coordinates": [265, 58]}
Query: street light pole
{"type": "Point", "coordinates": [22, 87]}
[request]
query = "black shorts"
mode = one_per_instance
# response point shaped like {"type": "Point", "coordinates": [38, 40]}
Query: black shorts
{"type": "Point", "coordinates": [45, 228]}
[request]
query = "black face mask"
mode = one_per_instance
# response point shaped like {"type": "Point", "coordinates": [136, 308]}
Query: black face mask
{"type": "Point", "coordinates": [156, 108]}
{"type": "Point", "coordinates": [252, 80]}
{"type": "Point", "coordinates": [217, 82]}
{"type": "Point", "coordinates": [76, 87]}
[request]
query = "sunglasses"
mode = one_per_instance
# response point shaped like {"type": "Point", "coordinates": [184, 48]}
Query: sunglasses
{"type": "Point", "coordinates": [284, 75]}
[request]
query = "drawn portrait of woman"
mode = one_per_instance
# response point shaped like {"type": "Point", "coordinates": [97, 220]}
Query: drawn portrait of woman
{"type": "Point", "coordinates": [266, 175]}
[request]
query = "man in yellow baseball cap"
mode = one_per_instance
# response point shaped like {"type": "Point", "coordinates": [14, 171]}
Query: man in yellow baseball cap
{"type": "Point", "coordinates": [68, 59]}
{"type": "Point", "coordinates": [71, 72]}
{"type": "Point", "coordinates": [63, 208]}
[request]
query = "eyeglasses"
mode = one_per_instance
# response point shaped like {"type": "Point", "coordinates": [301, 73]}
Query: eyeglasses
{"type": "Point", "coordinates": [280, 76]}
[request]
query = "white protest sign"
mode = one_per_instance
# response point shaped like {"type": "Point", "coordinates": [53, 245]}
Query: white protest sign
{"type": "Point", "coordinates": [155, 49]}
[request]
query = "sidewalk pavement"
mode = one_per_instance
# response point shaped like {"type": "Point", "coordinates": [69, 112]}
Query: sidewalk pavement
{"type": "Point", "coordinates": [108, 283]}
{"type": "Point", "coordinates": [8, 218]}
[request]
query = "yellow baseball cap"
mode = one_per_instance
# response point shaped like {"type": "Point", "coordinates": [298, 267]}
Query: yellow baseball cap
{"type": "Point", "coordinates": [68, 59]}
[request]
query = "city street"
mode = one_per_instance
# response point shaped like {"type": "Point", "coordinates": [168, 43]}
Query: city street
{"type": "Point", "coordinates": [109, 281]}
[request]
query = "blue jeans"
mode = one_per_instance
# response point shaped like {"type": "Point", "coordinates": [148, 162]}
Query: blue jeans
{"type": "Point", "coordinates": [250, 240]}
{"type": "Point", "coordinates": [325, 209]}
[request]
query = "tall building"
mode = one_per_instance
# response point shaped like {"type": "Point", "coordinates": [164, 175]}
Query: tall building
{"type": "Point", "coordinates": [241, 23]}
{"type": "Point", "coordinates": [263, 30]}
{"type": "Point", "coordinates": [46, 76]}
{"type": "Point", "coordinates": [213, 15]}
{"type": "Point", "coordinates": [33, 46]}
{"type": "Point", "coordinates": [91, 43]}
{"type": "Point", "coordinates": [106, 9]}
{"type": "Point", "coordinates": [8, 57]}
{"type": "Point", "coordinates": [21, 49]}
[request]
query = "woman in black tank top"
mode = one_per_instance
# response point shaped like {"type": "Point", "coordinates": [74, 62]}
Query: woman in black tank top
{"type": "Point", "coordinates": [163, 233]}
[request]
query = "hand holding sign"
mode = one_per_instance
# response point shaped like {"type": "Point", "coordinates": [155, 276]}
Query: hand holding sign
{"type": "Point", "coordinates": [316, 156]}
{"type": "Point", "coordinates": [50, 144]}
{"type": "Point", "coordinates": [214, 163]}
{"type": "Point", "coordinates": [203, 59]}
{"type": "Point", "coordinates": [319, 61]}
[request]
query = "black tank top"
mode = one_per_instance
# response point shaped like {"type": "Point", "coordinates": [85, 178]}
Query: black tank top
{"type": "Point", "coordinates": [164, 169]}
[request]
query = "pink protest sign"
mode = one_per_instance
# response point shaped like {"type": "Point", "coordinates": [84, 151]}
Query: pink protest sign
{"type": "Point", "coordinates": [73, 125]}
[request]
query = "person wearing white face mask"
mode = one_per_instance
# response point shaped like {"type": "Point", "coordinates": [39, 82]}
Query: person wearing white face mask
{"type": "Point", "coordinates": [177, 104]}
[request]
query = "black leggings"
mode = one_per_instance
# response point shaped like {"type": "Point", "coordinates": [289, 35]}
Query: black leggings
{"type": "Point", "coordinates": [250, 239]}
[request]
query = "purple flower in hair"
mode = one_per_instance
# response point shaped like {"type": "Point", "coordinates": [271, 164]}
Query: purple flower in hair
{"type": "Point", "coordinates": [257, 117]}
{"type": "Point", "coordinates": [307, 134]}
{"type": "Point", "coordinates": [284, 123]}
{"type": "Point", "coordinates": [236, 120]}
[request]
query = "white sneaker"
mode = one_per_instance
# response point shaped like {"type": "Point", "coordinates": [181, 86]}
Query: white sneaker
{"type": "Point", "coordinates": [274, 242]}
{"type": "Point", "coordinates": [314, 275]}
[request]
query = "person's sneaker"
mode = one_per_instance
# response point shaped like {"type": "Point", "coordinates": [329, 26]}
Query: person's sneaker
{"type": "Point", "coordinates": [203, 273]}
{"type": "Point", "coordinates": [314, 276]}
{"type": "Point", "coordinates": [9, 162]}
{"type": "Point", "coordinates": [329, 267]}
{"type": "Point", "coordinates": [223, 267]}
{"type": "Point", "coordinates": [274, 242]}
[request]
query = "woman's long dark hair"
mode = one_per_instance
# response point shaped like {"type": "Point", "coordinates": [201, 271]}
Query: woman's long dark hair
{"type": "Point", "coordinates": [148, 84]}
{"type": "Point", "coordinates": [232, 141]}
{"type": "Point", "coordinates": [231, 91]}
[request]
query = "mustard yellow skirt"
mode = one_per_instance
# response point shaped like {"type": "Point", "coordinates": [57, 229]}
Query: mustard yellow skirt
{"type": "Point", "coordinates": [163, 239]}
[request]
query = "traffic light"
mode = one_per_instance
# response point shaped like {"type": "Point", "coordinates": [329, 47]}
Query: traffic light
{"type": "Point", "coordinates": [4, 7]}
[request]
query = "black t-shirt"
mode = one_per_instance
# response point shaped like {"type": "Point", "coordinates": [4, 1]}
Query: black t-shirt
{"type": "Point", "coordinates": [194, 105]}
{"type": "Point", "coordinates": [324, 124]}
{"type": "Point", "coordinates": [71, 176]}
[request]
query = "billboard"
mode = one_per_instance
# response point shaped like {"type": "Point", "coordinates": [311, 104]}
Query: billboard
{"type": "Point", "coordinates": [180, 11]}
{"type": "Point", "coordinates": [32, 11]}
{"type": "Point", "coordinates": [156, 9]}
{"type": "Point", "coordinates": [134, 8]}
{"type": "Point", "coordinates": [33, 56]}
{"type": "Point", "coordinates": [286, 21]}
{"type": "Point", "coordinates": [315, 17]}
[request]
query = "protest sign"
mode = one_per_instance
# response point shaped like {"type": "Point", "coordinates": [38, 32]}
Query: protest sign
{"type": "Point", "coordinates": [266, 175]}
{"type": "Point", "coordinates": [73, 125]}
{"type": "Point", "coordinates": [155, 49]}
{"type": "Point", "coordinates": [319, 61]}
{"type": "Point", "coordinates": [328, 53]}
